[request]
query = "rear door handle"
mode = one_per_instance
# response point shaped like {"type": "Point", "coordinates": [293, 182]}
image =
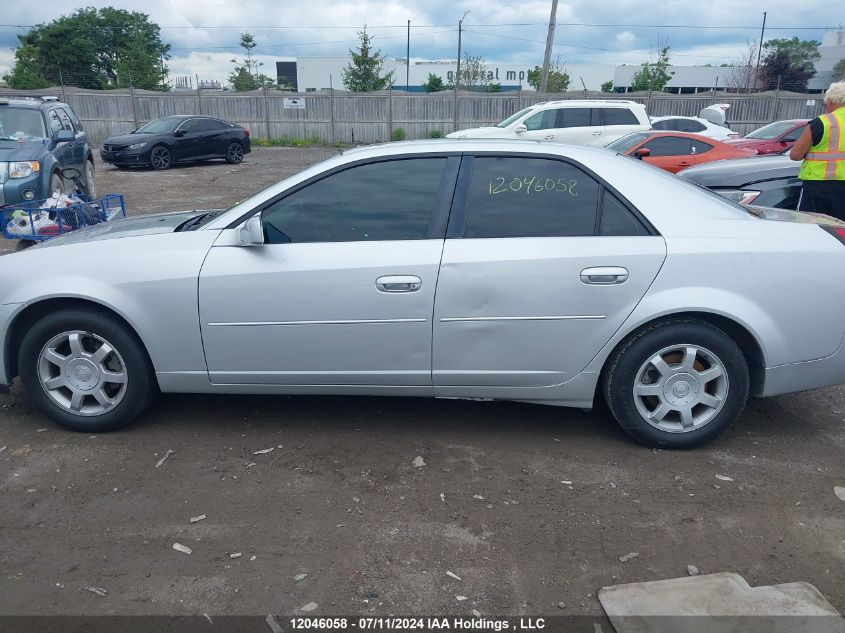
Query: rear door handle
{"type": "Point", "coordinates": [604, 275]}
{"type": "Point", "coordinates": [398, 283]}
{"type": "Point", "coordinates": [598, 133]}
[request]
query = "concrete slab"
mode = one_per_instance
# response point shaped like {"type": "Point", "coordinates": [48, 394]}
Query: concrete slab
{"type": "Point", "coordinates": [718, 603]}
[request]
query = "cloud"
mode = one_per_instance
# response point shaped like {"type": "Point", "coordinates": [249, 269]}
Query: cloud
{"type": "Point", "coordinates": [204, 34]}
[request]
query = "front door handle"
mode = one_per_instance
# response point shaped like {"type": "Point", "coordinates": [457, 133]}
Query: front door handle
{"type": "Point", "coordinates": [598, 133]}
{"type": "Point", "coordinates": [398, 283]}
{"type": "Point", "coordinates": [604, 275]}
{"type": "Point", "coordinates": [549, 137]}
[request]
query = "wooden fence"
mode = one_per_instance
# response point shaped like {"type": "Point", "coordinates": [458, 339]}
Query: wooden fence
{"type": "Point", "coordinates": [342, 117]}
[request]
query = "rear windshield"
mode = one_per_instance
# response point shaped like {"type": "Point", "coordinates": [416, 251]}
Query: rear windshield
{"type": "Point", "coordinates": [771, 131]}
{"type": "Point", "coordinates": [21, 123]}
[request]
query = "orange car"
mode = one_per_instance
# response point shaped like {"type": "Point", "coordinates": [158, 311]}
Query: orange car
{"type": "Point", "coordinates": [674, 151]}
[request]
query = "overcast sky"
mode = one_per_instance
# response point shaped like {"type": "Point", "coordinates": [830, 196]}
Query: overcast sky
{"type": "Point", "coordinates": [204, 33]}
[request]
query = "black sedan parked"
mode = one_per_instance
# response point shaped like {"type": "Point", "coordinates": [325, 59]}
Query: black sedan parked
{"type": "Point", "coordinates": [766, 181]}
{"type": "Point", "coordinates": [175, 139]}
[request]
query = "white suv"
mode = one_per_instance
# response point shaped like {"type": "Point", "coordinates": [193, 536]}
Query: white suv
{"type": "Point", "coordinates": [586, 122]}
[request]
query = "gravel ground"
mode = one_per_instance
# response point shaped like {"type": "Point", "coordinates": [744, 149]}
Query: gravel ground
{"type": "Point", "coordinates": [529, 506]}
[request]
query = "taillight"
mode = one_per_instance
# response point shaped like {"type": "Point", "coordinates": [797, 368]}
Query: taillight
{"type": "Point", "coordinates": [246, 131]}
{"type": "Point", "coordinates": [836, 231]}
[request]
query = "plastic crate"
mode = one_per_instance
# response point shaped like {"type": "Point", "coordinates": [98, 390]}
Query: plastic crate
{"type": "Point", "coordinates": [34, 221]}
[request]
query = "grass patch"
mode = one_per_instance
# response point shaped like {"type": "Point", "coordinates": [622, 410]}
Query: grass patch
{"type": "Point", "coordinates": [292, 141]}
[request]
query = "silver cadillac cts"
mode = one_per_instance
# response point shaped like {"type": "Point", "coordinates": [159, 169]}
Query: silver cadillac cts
{"type": "Point", "coordinates": [503, 270]}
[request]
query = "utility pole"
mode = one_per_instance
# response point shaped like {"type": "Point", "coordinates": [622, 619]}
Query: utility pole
{"type": "Point", "coordinates": [760, 50]}
{"type": "Point", "coordinates": [458, 74]}
{"type": "Point", "coordinates": [408, 58]}
{"type": "Point", "coordinates": [547, 58]}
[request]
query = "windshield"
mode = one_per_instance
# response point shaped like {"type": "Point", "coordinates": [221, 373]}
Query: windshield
{"type": "Point", "coordinates": [513, 117]}
{"type": "Point", "coordinates": [771, 131]}
{"type": "Point", "coordinates": [21, 122]}
{"type": "Point", "coordinates": [627, 142]}
{"type": "Point", "coordinates": [159, 126]}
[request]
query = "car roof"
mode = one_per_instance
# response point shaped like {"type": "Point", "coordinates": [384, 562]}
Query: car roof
{"type": "Point", "coordinates": [32, 103]}
{"type": "Point", "coordinates": [588, 103]}
{"type": "Point", "coordinates": [689, 135]}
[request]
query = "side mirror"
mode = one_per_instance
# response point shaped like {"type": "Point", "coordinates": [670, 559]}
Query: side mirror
{"type": "Point", "coordinates": [179, 133]}
{"type": "Point", "coordinates": [643, 152]}
{"type": "Point", "coordinates": [251, 233]}
{"type": "Point", "coordinates": [69, 173]}
{"type": "Point", "coordinates": [520, 129]}
{"type": "Point", "coordinates": [64, 136]}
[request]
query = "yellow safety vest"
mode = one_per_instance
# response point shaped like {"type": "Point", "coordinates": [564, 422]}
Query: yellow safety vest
{"type": "Point", "coordinates": [826, 160]}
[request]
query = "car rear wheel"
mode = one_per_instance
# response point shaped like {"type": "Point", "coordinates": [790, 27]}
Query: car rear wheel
{"type": "Point", "coordinates": [90, 182]}
{"type": "Point", "coordinates": [677, 384]}
{"type": "Point", "coordinates": [161, 158]}
{"type": "Point", "coordinates": [86, 371]}
{"type": "Point", "coordinates": [235, 153]}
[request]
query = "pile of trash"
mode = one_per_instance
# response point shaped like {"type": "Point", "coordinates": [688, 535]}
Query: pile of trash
{"type": "Point", "coordinates": [56, 215]}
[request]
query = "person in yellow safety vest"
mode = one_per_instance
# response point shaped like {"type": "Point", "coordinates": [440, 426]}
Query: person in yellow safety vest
{"type": "Point", "coordinates": [822, 148]}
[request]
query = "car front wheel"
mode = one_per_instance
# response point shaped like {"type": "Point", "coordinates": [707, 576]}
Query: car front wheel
{"type": "Point", "coordinates": [86, 371]}
{"type": "Point", "coordinates": [161, 158]}
{"type": "Point", "coordinates": [90, 183]}
{"type": "Point", "coordinates": [677, 384]}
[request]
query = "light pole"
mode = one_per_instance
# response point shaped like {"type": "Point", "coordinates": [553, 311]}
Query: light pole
{"type": "Point", "coordinates": [547, 58]}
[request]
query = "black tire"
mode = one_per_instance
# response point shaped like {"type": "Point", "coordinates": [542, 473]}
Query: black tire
{"type": "Point", "coordinates": [89, 180]}
{"type": "Point", "coordinates": [626, 364]}
{"type": "Point", "coordinates": [234, 153]}
{"type": "Point", "coordinates": [140, 385]}
{"type": "Point", "coordinates": [161, 157]}
{"type": "Point", "coordinates": [24, 244]}
{"type": "Point", "coordinates": [56, 184]}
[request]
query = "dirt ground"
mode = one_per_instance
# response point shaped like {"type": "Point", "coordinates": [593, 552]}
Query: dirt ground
{"type": "Point", "coordinates": [529, 506]}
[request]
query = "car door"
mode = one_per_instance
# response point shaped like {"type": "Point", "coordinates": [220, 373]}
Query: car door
{"type": "Point", "coordinates": [540, 126]}
{"type": "Point", "coordinates": [213, 137]}
{"type": "Point", "coordinates": [618, 122]}
{"type": "Point", "coordinates": [582, 126]}
{"type": "Point", "coordinates": [671, 153]}
{"type": "Point", "coordinates": [189, 141]}
{"type": "Point", "coordinates": [76, 151]}
{"type": "Point", "coordinates": [541, 265]}
{"type": "Point", "coordinates": [62, 150]}
{"type": "Point", "coordinates": [342, 290]}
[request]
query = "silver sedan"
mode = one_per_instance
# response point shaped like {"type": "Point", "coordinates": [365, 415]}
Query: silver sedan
{"type": "Point", "coordinates": [500, 270]}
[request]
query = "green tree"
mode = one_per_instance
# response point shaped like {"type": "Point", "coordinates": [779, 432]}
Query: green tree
{"type": "Point", "coordinates": [26, 74]}
{"type": "Point", "coordinates": [245, 76]}
{"type": "Point", "coordinates": [363, 73]}
{"type": "Point", "coordinates": [558, 80]}
{"type": "Point", "coordinates": [607, 86]}
{"type": "Point", "coordinates": [839, 70]}
{"type": "Point", "coordinates": [93, 48]}
{"type": "Point", "coordinates": [494, 87]}
{"type": "Point", "coordinates": [653, 76]}
{"type": "Point", "coordinates": [789, 63]}
{"type": "Point", "coordinates": [434, 83]}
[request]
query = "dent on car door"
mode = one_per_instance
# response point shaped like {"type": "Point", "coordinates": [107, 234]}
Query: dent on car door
{"type": "Point", "coordinates": [342, 291]}
{"type": "Point", "coordinates": [541, 265]}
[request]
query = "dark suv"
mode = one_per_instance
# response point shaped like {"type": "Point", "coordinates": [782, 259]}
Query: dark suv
{"type": "Point", "coordinates": [40, 136]}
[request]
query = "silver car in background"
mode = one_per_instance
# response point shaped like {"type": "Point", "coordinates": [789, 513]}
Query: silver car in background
{"type": "Point", "coordinates": [509, 270]}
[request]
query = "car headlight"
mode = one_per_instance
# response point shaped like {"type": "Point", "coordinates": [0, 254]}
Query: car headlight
{"type": "Point", "coordinates": [22, 169]}
{"type": "Point", "coordinates": [136, 146]}
{"type": "Point", "coordinates": [742, 196]}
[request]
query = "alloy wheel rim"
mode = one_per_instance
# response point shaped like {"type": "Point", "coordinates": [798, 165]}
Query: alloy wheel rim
{"type": "Point", "coordinates": [82, 373]}
{"type": "Point", "coordinates": [681, 388]}
{"type": "Point", "coordinates": [161, 157]}
{"type": "Point", "coordinates": [236, 152]}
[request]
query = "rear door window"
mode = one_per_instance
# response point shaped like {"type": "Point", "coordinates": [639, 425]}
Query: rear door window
{"type": "Point", "coordinates": [617, 220]}
{"type": "Point", "coordinates": [575, 117]}
{"type": "Point", "coordinates": [530, 197]}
